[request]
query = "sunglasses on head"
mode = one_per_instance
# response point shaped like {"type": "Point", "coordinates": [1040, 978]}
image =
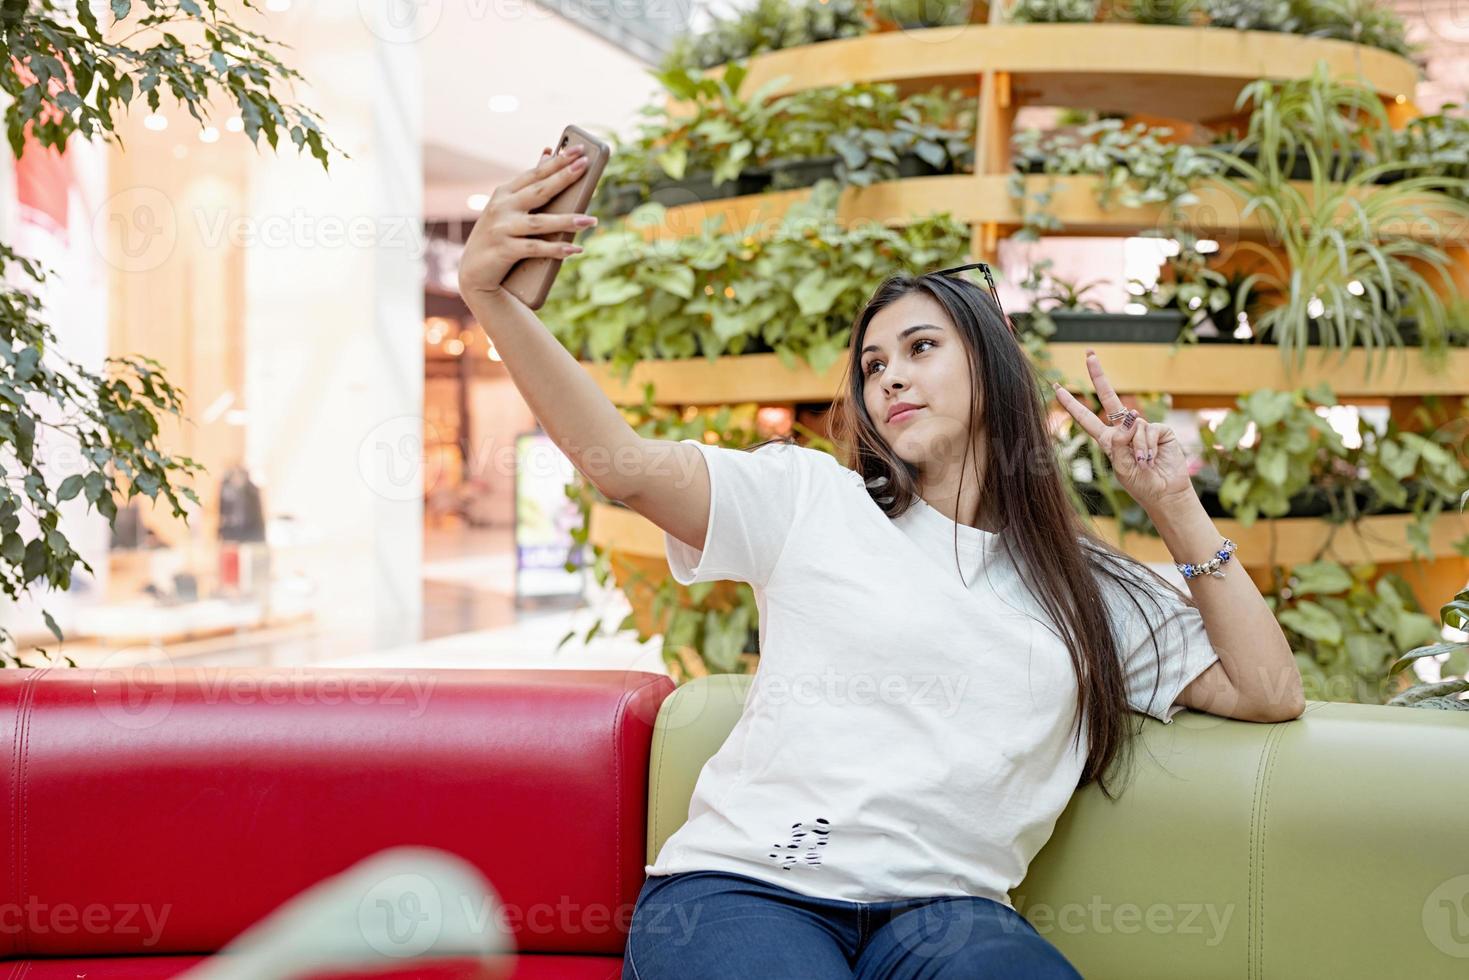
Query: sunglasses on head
{"type": "Point", "coordinates": [984, 268]}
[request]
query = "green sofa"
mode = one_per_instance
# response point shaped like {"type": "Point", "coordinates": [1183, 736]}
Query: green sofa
{"type": "Point", "coordinates": [1335, 845]}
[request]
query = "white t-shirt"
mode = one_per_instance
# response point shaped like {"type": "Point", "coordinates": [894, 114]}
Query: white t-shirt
{"type": "Point", "coordinates": [904, 736]}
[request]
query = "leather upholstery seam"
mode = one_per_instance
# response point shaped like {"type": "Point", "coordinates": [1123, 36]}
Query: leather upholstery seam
{"type": "Point", "coordinates": [19, 761]}
{"type": "Point", "coordinates": [1276, 736]}
{"type": "Point", "coordinates": [617, 782]}
{"type": "Point", "coordinates": [660, 741]}
{"type": "Point", "coordinates": [1256, 887]}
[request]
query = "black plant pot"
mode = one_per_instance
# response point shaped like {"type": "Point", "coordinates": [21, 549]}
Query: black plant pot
{"type": "Point", "coordinates": [619, 199]}
{"type": "Point", "coordinates": [1209, 497]}
{"type": "Point", "coordinates": [1224, 321]}
{"type": "Point", "coordinates": [699, 188]}
{"type": "Point", "coordinates": [1368, 499]}
{"type": "Point", "coordinates": [1073, 326]}
{"type": "Point", "coordinates": [1407, 329]}
{"type": "Point", "coordinates": [1300, 167]}
{"type": "Point", "coordinates": [795, 173]}
{"type": "Point", "coordinates": [754, 344]}
{"type": "Point", "coordinates": [913, 165]}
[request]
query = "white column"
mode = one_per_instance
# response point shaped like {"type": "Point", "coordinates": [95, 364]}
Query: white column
{"type": "Point", "coordinates": [334, 328]}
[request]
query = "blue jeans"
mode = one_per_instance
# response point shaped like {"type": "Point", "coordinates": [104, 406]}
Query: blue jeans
{"type": "Point", "coordinates": [718, 925]}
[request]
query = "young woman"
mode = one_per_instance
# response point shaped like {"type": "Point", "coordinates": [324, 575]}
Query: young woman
{"type": "Point", "coordinates": [947, 652]}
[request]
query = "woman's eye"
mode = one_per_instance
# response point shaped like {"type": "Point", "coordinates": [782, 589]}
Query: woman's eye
{"type": "Point", "coordinates": [874, 362]}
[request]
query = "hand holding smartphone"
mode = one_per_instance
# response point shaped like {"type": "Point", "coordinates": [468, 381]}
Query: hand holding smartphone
{"type": "Point", "coordinates": [519, 241]}
{"type": "Point", "coordinates": [531, 278]}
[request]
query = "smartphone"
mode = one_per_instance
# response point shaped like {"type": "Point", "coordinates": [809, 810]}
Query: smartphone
{"type": "Point", "coordinates": [529, 280]}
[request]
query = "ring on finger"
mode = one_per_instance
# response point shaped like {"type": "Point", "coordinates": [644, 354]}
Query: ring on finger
{"type": "Point", "coordinates": [1114, 417]}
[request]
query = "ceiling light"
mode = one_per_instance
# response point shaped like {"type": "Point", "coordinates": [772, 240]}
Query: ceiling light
{"type": "Point", "coordinates": [155, 121]}
{"type": "Point", "coordinates": [208, 134]}
{"type": "Point", "coordinates": [477, 202]}
{"type": "Point", "coordinates": [504, 103]}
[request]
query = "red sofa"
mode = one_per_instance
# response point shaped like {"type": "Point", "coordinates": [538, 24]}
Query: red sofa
{"type": "Point", "coordinates": [151, 816]}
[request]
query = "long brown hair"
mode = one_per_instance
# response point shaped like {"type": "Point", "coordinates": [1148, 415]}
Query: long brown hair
{"type": "Point", "coordinates": [1058, 552]}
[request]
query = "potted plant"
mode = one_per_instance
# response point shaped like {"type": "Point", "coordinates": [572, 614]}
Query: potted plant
{"type": "Point", "coordinates": [1252, 15]}
{"type": "Point", "coordinates": [1346, 625]}
{"type": "Point", "coordinates": [856, 134]}
{"type": "Point", "coordinates": [1368, 22]}
{"type": "Point", "coordinates": [1295, 449]}
{"type": "Point", "coordinates": [1434, 144]}
{"type": "Point", "coordinates": [795, 291]}
{"type": "Point", "coordinates": [1164, 12]}
{"type": "Point", "coordinates": [1354, 276]}
{"type": "Point", "coordinates": [1052, 11]}
{"type": "Point", "coordinates": [767, 25]}
{"type": "Point", "coordinates": [1338, 117]}
{"type": "Point", "coordinates": [863, 133]}
{"type": "Point", "coordinates": [1061, 313]}
{"type": "Point", "coordinates": [919, 14]}
{"type": "Point", "coordinates": [1444, 693]}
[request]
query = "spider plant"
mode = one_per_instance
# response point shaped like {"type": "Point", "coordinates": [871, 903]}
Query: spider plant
{"type": "Point", "coordinates": [1340, 118]}
{"type": "Point", "coordinates": [1443, 694]}
{"type": "Point", "coordinates": [923, 13]}
{"type": "Point", "coordinates": [1346, 257]}
{"type": "Point", "coordinates": [1052, 11]}
{"type": "Point", "coordinates": [1252, 15]}
{"type": "Point", "coordinates": [1165, 12]}
{"type": "Point", "coordinates": [1371, 22]}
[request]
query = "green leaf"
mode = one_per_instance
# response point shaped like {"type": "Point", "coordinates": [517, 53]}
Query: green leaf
{"type": "Point", "coordinates": [817, 291]}
{"type": "Point", "coordinates": [1273, 466]}
{"type": "Point", "coordinates": [70, 487]}
{"type": "Point", "coordinates": [611, 292]}
{"type": "Point", "coordinates": [51, 625]}
{"type": "Point", "coordinates": [675, 279]}
{"type": "Point", "coordinates": [1313, 622]}
{"type": "Point", "coordinates": [1321, 578]}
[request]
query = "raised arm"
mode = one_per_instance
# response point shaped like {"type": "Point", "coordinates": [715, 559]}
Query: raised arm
{"type": "Point", "coordinates": [665, 481]}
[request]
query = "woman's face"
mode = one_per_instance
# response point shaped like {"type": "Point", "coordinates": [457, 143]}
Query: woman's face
{"type": "Point", "coordinates": [912, 353]}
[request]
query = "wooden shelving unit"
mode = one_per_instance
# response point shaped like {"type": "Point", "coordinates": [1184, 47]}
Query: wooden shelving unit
{"type": "Point", "coordinates": [1185, 74]}
{"type": "Point", "coordinates": [1219, 370]}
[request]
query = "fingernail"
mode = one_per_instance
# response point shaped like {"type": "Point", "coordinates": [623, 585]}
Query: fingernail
{"type": "Point", "coordinates": [586, 221]}
{"type": "Point", "coordinates": [1090, 352]}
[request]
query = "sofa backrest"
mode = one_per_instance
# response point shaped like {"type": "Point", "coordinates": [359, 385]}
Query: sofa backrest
{"type": "Point", "coordinates": [165, 811]}
{"type": "Point", "coordinates": [1333, 845]}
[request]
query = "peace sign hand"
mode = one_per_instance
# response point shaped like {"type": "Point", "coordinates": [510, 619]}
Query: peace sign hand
{"type": "Point", "coordinates": [1146, 456]}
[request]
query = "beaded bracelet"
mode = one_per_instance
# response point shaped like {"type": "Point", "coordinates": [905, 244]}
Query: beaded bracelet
{"type": "Point", "coordinates": [1210, 567]}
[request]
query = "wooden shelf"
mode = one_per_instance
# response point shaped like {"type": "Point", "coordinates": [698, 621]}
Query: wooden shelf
{"type": "Point", "coordinates": [983, 199]}
{"type": "Point", "coordinates": [1186, 73]}
{"type": "Point", "coordinates": [1205, 369]}
{"type": "Point", "coordinates": [1381, 538]}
